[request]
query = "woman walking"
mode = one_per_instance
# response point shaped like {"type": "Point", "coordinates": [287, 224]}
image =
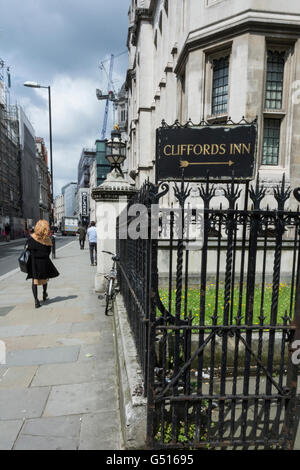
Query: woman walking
{"type": "Point", "coordinates": [41, 268]}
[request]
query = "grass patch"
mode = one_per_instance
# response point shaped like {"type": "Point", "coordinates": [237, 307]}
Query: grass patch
{"type": "Point", "coordinates": [190, 301]}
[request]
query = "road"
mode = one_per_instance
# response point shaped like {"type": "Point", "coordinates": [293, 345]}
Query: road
{"type": "Point", "coordinates": [9, 253]}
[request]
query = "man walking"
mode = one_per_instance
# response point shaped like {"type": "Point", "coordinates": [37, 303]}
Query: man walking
{"type": "Point", "coordinates": [82, 234]}
{"type": "Point", "coordinates": [92, 236]}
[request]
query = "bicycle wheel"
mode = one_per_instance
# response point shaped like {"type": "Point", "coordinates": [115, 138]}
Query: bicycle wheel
{"type": "Point", "coordinates": [108, 294]}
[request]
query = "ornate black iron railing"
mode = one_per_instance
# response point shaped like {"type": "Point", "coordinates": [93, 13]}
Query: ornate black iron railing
{"type": "Point", "coordinates": [218, 370]}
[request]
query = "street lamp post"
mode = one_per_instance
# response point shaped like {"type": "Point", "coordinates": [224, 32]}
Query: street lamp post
{"type": "Point", "coordinates": [36, 85]}
{"type": "Point", "coordinates": [116, 150]}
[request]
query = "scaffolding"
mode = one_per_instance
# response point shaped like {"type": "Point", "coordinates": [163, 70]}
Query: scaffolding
{"type": "Point", "coordinates": [10, 187]}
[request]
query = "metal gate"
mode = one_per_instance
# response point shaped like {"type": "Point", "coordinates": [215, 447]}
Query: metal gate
{"type": "Point", "coordinates": [217, 349]}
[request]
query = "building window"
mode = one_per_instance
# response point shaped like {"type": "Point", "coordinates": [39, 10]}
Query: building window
{"type": "Point", "coordinates": [123, 115]}
{"type": "Point", "coordinates": [271, 141]}
{"type": "Point", "coordinates": [274, 80]}
{"type": "Point", "coordinates": [220, 85]}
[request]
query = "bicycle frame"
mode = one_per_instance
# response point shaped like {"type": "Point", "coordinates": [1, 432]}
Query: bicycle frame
{"type": "Point", "coordinates": [111, 277]}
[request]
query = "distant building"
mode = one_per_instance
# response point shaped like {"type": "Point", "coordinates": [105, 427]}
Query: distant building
{"type": "Point", "coordinates": [103, 167]}
{"type": "Point", "coordinates": [19, 185]}
{"type": "Point", "coordinates": [59, 209]}
{"type": "Point", "coordinates": [92, 171]}
{"type": "Point", "coordinates": [88, 156]}
{"type": "Point", "coordinates": [83, 205]}
{"type": "Point", "coordinates": [29, 173]}
{"type": "Point", "coordinates": [10, 170]}
{"type": "Point", "coordinates": [69, 192]}
{"type": "Point", "coordinates": [42, 167]}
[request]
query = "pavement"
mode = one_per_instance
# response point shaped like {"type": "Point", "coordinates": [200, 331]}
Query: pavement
{"type": "Point", "coordinates": [17, 241]}
{"type": "Point", "coordinates": [58, 387]}
{"type": "Point", "coordinates": [10, 251]}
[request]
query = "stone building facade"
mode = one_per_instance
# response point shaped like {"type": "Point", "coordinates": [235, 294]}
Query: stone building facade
{"type": "Point", "coordinates": [29, 173]}
{"type": "Point", "coordinates": [44, 187]}
{"type": "Point", "coordinates": [59, 209]}
{"type": "Point", "coordinates": [69, 193]}
{"type": "Point", "coordinates": [93, 184]}
{"type": "Point", "coordinates": [211, 60]}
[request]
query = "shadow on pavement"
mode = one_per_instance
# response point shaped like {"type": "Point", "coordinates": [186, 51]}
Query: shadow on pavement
{"type": "Point", "coordinates": [5, 310]}
{"type": "Point", "coordinates": [60, 299]}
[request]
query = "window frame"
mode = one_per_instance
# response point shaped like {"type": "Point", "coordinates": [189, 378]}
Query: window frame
{"type": "Point", "coordinates": [272, 50]}
{"type": "Point", "coordinates": [223, 104]}
{"type": "Point", "coordinates": [224, 50]}
{"type": "Point", "coordinates": [272, 113]}
{"type": "Point", "coordinates": [263, 141]}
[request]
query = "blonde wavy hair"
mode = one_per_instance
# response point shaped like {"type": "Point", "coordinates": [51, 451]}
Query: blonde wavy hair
{"type": "Point", "coordinates": [42, 229]}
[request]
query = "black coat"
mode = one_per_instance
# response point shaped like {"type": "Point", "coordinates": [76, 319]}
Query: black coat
{"type": "Point", "coordinates": [82, 233]}
{"type": "Point", "coordinates": [40, 267]}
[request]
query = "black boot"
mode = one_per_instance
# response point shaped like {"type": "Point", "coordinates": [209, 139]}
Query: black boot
{"type": "Point", "coordinates": [45, 295]}
{"type": "Point", "coordinates": [35, 295]}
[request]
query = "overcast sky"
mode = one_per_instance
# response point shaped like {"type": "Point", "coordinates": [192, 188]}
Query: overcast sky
{"type": "Point", "coordinates": [61, 43]}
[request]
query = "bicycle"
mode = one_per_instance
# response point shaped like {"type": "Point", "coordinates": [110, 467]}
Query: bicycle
{"type": "Point", "coordinates": [110, 293]}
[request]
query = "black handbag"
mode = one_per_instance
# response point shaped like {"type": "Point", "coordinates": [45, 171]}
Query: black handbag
{"type": "Point", "coordinates": [24, 259]}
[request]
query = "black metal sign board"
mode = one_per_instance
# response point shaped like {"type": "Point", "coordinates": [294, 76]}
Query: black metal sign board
{"type": "Point", "coordinates": [84, 203]}
{"type": "Point", "coordinates": [221, 150]}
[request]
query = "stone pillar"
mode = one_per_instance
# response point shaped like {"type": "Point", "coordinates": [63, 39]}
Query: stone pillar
{"type": "Point", "coordinates": [111, 197]}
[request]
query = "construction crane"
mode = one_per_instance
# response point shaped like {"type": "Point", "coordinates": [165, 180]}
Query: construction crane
{"type": "Point", "coordinates": [111, 95]}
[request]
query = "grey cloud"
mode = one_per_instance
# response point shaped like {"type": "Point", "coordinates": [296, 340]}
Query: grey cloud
{"type": "Point", "coordinates": [43, 39]}
{"type": "Point", "coordinates": [46, 36]}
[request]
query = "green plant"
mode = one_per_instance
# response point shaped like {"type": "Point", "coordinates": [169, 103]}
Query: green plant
{"type": "Point", "coordinates": [214, 302]}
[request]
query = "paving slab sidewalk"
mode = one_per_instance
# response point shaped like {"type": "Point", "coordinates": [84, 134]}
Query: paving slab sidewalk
{"type": "Point", "coordinates": [58, 387]}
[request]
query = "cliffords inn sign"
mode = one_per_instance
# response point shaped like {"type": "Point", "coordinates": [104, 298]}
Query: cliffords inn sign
{"type": "Point", "coordinates": [192, 152]}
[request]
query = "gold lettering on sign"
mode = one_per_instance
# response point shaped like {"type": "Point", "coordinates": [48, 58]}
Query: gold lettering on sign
{"type": "Point", "coordinates": [183, 148]}
{"type": "Point", "coordinates": [173, 151]}
{"type": "Point", "coordinates": [206, 149]}
{"type": "Point", "coordinates": [189, 148]}
{"type": "Point", "coordinates": [247, 148]}
{"type": "Point", "coordinates": [214, 149]}
{"type": "Point", "coordinates": [198, 149]}
{"type": "Point", "coordinates": [222, 149]}
{"type": "Point", "coordinates": [240, 149]}
{"type": "Point", "coordinates": [165, 150]}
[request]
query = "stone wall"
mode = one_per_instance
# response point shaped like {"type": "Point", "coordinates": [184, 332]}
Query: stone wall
{"type": "Point", "coordinates": [169, 41]}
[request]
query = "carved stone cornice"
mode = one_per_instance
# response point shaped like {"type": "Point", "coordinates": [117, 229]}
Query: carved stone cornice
{"type": "Point", "coordinates": [169, 67]}
{"type": "Point", "coordinates": [142, 14]}
{"type": "Point", "coordinates": [162, 83]}
{"type": "Point", "coordinates": [174, 49]}
{"type": "Point", "coordinates": [250, 21]}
